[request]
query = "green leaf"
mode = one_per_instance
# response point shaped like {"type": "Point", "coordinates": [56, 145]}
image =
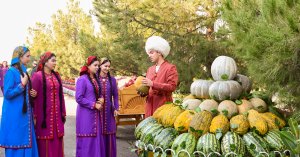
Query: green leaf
{"type": "Point", "coordinates": [168, 102]}
{"type": "Point", "coordinates": [181, 128]}
{"type": "Point", "coordinates": [294, 127]}
{"type": "Point", "coordinates": [225, 112]}
{"type": "Point", "coordinates": [198, 109]}
{"type": "Point", "coordinates": [238, 102]}
{"type": "Point", "coordinates": [178, 102]}
{"type": "Point", "coordinates": [199, 132]}
{"type": "Point", "coordinates": [234, 126]}
{"type": "Point", "coordinates": [289, 140]}
{"type": "Point", "coordinates": [183, 145]}
{"type": "Point", "coordinates": [224, 77]}
{"type": "Point", "coordinates": [214, 111]}
{"type": "Point", "coordinates": [192, 113]}
{"type": "Point", "coordinates": [192, 129]}
{"type": "Point", "coordinates": [232, 147]}
{"type": "Point", "coordinates": [252, 146]}
{"type": "Point", "coordinates": [277, 123]}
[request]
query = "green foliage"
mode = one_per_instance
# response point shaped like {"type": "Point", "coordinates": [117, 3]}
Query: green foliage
{"type": "Point", "coordinates": [69, 36]}
{"type": "Point", "coordinates": [187, 25]}
{"type": "Point", "coordinates": [265, 35]}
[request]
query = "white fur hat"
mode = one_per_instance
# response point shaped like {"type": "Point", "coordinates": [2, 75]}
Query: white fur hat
{"type": "Point", "coordinates": [159, 44]}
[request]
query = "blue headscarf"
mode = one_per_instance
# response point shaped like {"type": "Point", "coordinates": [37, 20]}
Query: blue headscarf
{"type": "Point", "coordinates": [18, 52]}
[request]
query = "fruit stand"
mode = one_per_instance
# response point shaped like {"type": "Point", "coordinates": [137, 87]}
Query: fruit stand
{"type": "Point", "coordinates": [220, 117]}
{"type": "Point", "coordinates": [131, 107]}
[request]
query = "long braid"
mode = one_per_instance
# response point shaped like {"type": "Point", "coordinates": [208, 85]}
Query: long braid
{"type": "Point", "coordinates": [95, 91]}
{"type": "Point", "coordinates": [111, 87]}
{"type": "Point", "coordinates": [99, 85]}
{"type": "Point", "coordinates": [30, 87]}
{"type": "Point", "coordinates": [24, 108]}
{"type": "Point", "coordinates": [44, 125]}
{"type": "Point", "coordinates": [60, 95]}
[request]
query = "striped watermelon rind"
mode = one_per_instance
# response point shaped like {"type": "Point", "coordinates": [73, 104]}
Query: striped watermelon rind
{"type": "Point", "coordinates": [142, 125]}
{"type": "Point", "coordinates": [185, 141]}
{"type": "Point", "coordinates": [232, 142]}
{"type": "Point", "coordinates": [208, 143]}
{"type": "Point", "coordinates": [274, 141]}
{"type": "Point", "coordinates": [165, 138]}
{"type": "Point", "coordinates": [149, 133]}
{"type": "Point", "coordinates": [255, 144]}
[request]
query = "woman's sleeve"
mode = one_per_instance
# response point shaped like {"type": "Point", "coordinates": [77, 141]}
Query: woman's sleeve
{"type": "Point", "coordinates": [79, 95]}
{"type": "Point", "coordinates": [116, 95]}
{"type": "Point", "coordinates": [10, 89]}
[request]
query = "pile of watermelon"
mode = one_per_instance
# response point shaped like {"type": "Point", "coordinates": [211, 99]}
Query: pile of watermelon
{"type": "Point", "coordinates": [217, 119]}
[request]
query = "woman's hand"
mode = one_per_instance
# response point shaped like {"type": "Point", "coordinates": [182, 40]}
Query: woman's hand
{"type": "Point", "coordinates": [98, 106]}
{"type": "Point", "coordinates": [33, 93]}
{"type": "Point", "coordinates": [24, 79]}
{"type": "Point", "coordinates": [116, 113]}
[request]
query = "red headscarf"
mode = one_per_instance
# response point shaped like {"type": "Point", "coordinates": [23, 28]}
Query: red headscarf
{"type": "Point", "coordinates": [84, 69]}
{"type": "Point", "coordinates": [43, 59]}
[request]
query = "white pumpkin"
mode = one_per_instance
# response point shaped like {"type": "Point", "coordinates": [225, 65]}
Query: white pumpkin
{"type": "Point", "coordinates": [221, 90]}
{"type": "Point", "coordinates": [244, 81]}
{"type": "Point", "coordinates": [228, 108]}
{"type": "Point", "coordinates": [191, 104]}
{"type": "Point", "coordinates": [209, 105]}
{"type": "Point", "coordinates": [223, 68]}
{"type": "Point", "coordinates": [259, 105]}
{"type": "Point", "coordinates": [200, 88]}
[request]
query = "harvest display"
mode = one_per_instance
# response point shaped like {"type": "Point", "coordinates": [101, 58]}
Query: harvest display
{"type": "Point", "coordinates": [219, 117]}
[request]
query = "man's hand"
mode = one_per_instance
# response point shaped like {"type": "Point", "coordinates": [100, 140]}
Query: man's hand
{"type": "Point", "coordinates": [147, 82]}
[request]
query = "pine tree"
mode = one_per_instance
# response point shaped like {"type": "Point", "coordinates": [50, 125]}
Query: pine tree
{"type": "Point", "coordinates": [126, 24]}
{"type": "Point", "coordinates": [265, 34]}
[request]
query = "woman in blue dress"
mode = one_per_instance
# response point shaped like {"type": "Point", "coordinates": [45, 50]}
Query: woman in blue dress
{"type": "Point", "coordinates": [17, 134]}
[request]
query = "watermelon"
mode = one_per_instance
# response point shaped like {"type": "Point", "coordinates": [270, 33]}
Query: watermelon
{"type": "Point", "coordinates": [232, 142]}
{"type": "Point", "coordinates": [165, 138]}
{"type": "Point", "coordinates": [208, 143]}
{"type": "Point", "coordinates": [185, 141]}
{"type": "Point", "coordinates": [142, 125]}
{"type": "Point", "coordinates": [255, 144]}
{"type": "Point", "coordinates": [149, 133]}
{"type": "Point", "coordinates": [274, 141]}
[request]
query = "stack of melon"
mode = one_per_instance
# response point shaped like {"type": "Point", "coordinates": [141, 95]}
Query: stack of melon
{"type": "Point", "coordinates": [215, 118]}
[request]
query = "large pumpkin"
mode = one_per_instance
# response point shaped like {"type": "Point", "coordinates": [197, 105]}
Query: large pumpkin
{"type": "Point", "coordinates": [200, 88]}
{"type": "Point", "coordinates": [222, 90]}
{"type": "Point", "coordinates": [209, 105]}
{"type": "Point", "coordinates": [228, 108]}
{"type": "Point", "coordinates": [223, 68]}
{"type": "Point", "coordinates": [244, 81]}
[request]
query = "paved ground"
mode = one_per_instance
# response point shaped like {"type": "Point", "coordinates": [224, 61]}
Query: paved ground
{"type": "Point", "coordinates": [125, 134]}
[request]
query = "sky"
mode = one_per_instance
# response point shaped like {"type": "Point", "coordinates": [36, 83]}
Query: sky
{"type": "Point", "coordinates": [17, 15]}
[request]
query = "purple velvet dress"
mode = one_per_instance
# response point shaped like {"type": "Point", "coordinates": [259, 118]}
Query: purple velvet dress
{"type": "Point", "coordinates": [95, 130]}
{"type": "Point", "coordinates": [50, 139]}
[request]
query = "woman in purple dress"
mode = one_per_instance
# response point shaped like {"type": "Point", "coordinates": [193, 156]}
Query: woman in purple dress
{"type": "Point", "coordinates": [3, 71]}
{"type": "Point", "coordinates": [89, 140]}
{"type": "Point", "coordinates": [49, 109]}
{"type": "Point", "coordinates": [109, 90]}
